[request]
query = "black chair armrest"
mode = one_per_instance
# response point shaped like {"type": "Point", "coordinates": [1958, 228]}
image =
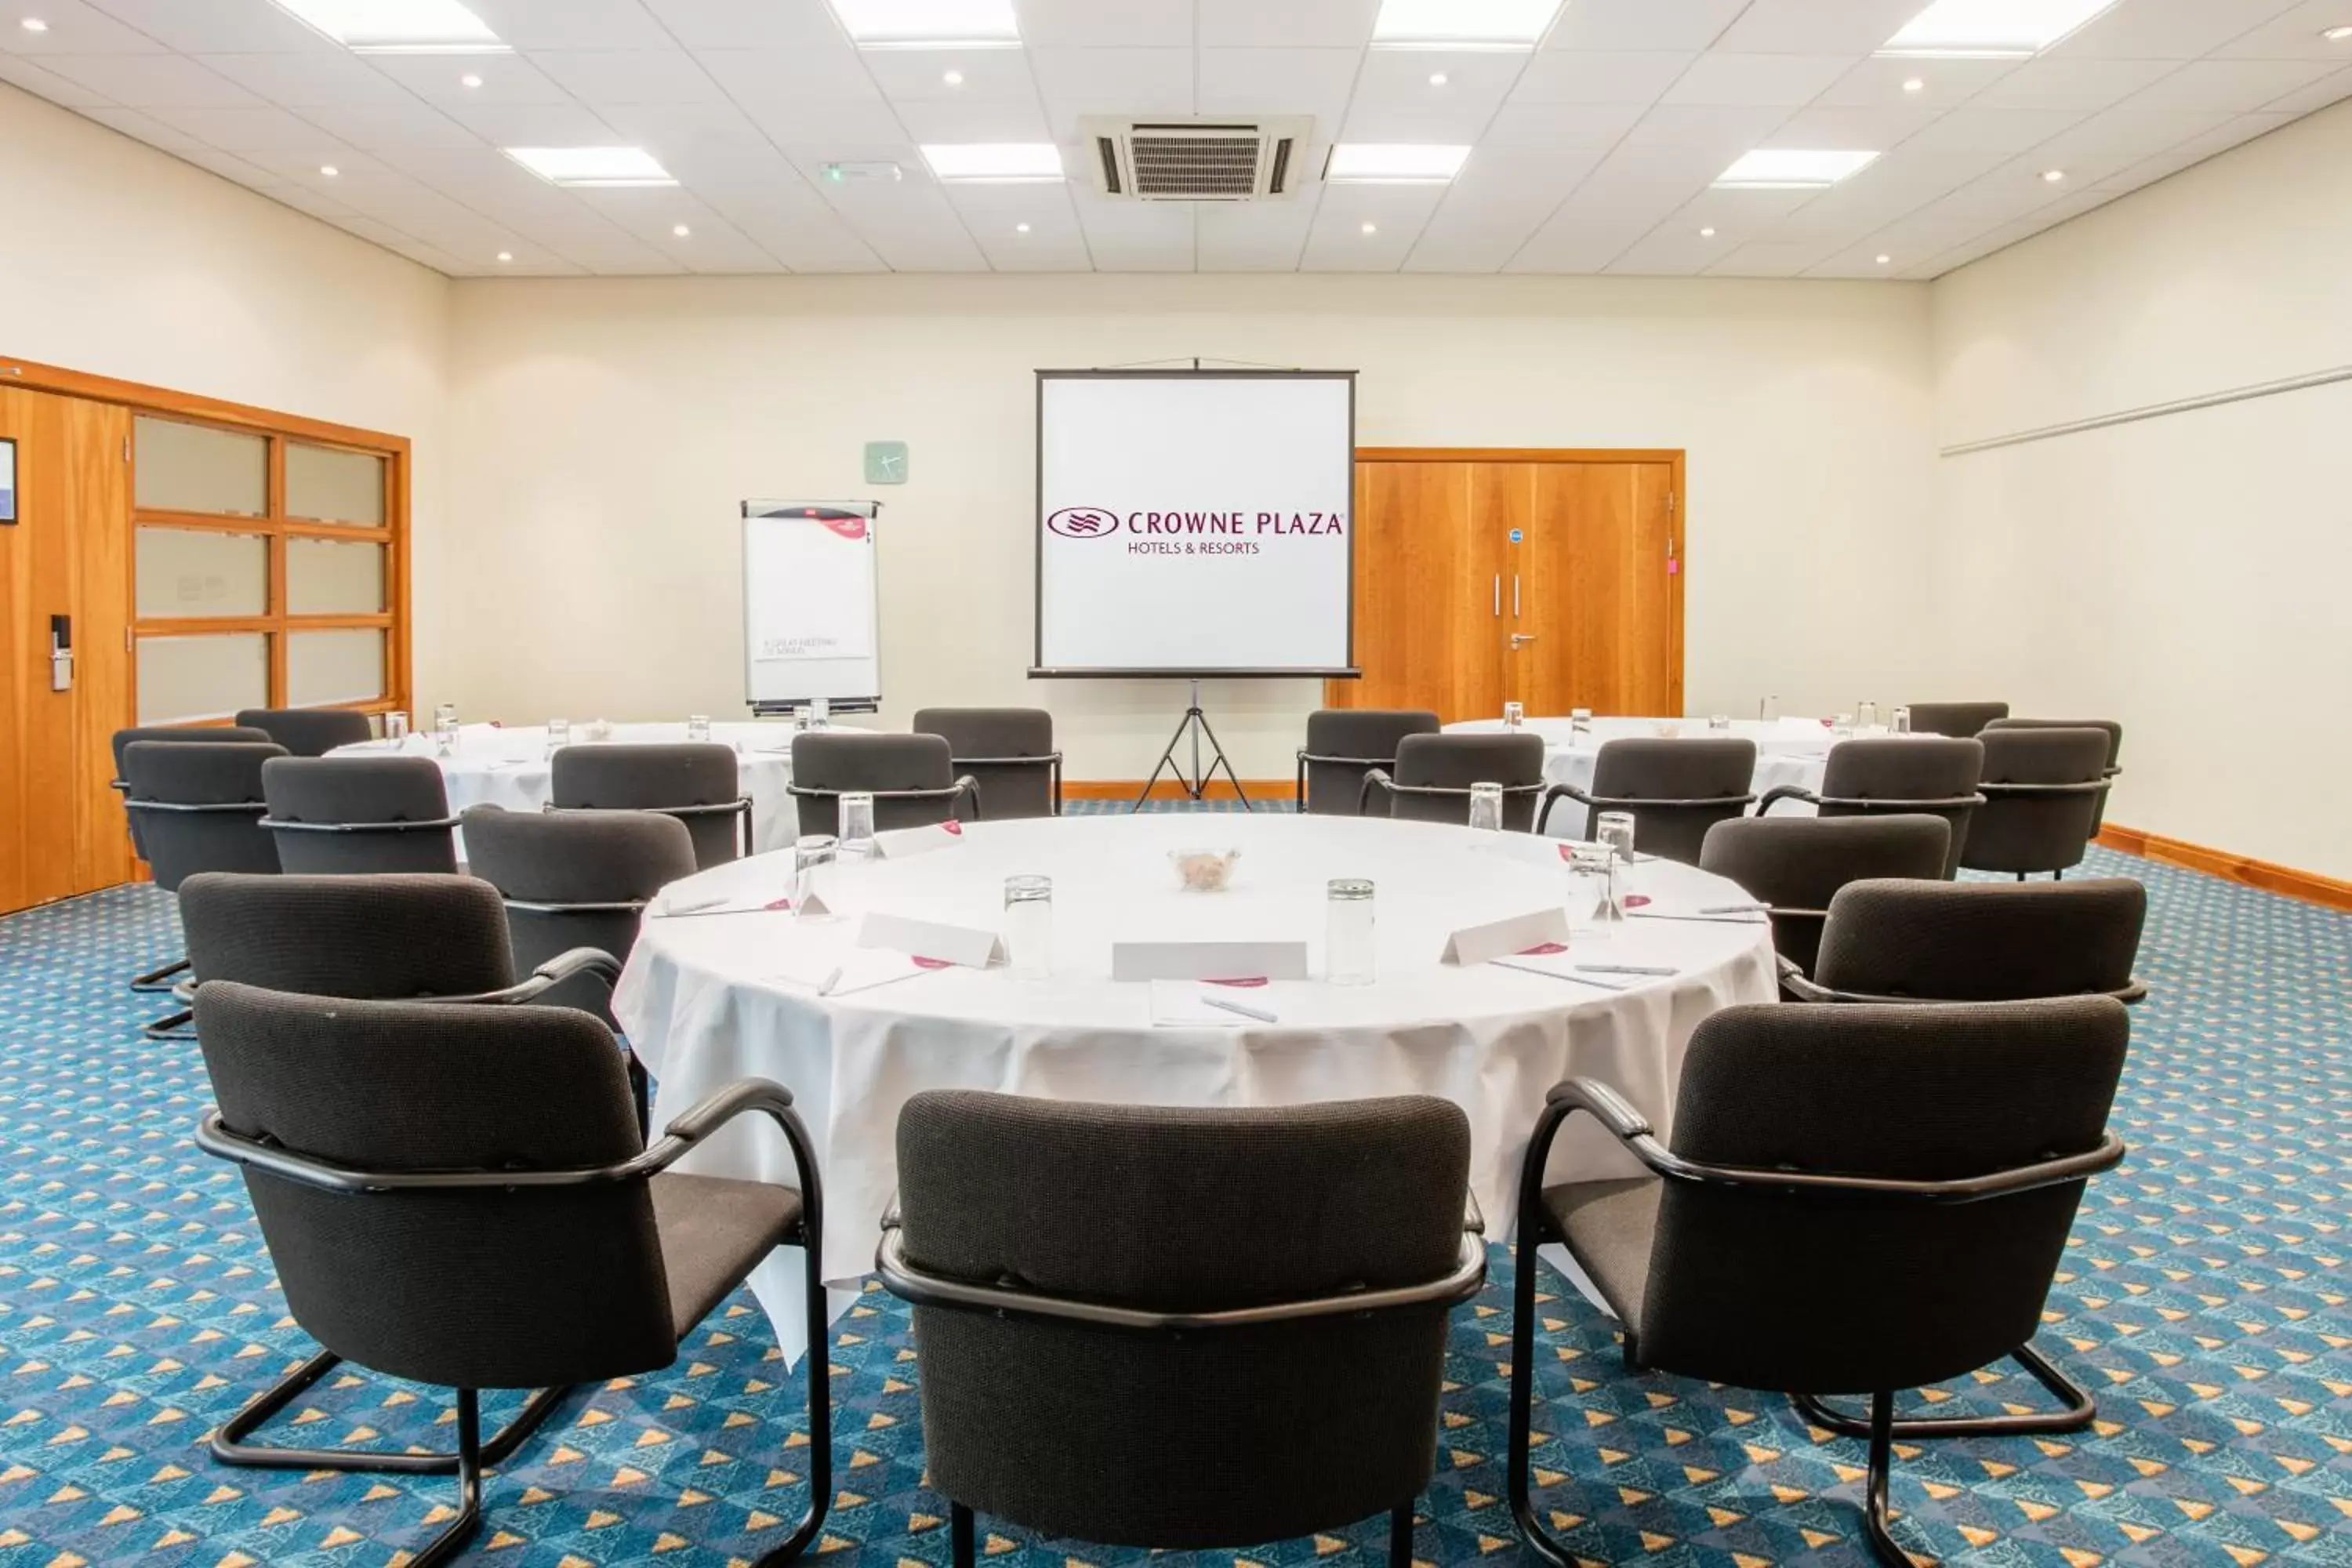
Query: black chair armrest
{"type": "Point", "coordinates": [1799, 985]}
{"type": "Point", "coordinates": [563, 966]}
{"type": "Point", "coordinates": [426, 825]}
{"type": "Point", "coordinates": [1364, 793]}
{"type": "Point", "coordinates": [1610, 1108]}
{"type": "Point", "coordinates": [965, 786]}
{"type": "Point", "coordinates": [2087, 786]}
{"type": "Point", "coordinates": [614, 907]}
{"type": "Point", "coordinates": [1784, 792]}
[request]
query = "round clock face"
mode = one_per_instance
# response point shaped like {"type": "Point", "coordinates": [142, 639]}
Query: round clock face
{"type": "Point", "coordinates": [886, 462]}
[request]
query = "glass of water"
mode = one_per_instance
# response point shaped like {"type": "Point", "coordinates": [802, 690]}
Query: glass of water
{"type": "Point", "coordinates": [800, 715]}
{"type": "Point", "coordinates": [444, 728]}
{"type": "Point", "coordinates": [1514, 715]}
{"type": "Point", "coordinates": [1596, 897]}
{"type": "Point", "coordinates": [1579, 722]}
{"type": "Point", "coordinates": [1348, 955]}
{"type": "Point", "coordinates": [1718, 722]}
{"type": "Point", "coordinates": [1842, 727]}
{"type": "Point", "coordinates": [812, 863]}
{"type": "Point", "coordinates": [1029, 926]}
{"type": "Point", "coordinates": [1615, 829]}
{"type": "Point", "coordinates": [1866, 715]}
{"type": "Point", "coordinates": [1902, 721]}
{"type": "Point", "coordinates": [820, 713]}
{"type": "Point", "coordinates": [856, 825]}
{"type": "Point", "coordinates": [1487, 806]}
{"type": "Point", "coordinates": [697, 729]}
{"type": "Point", "coordinates": [395, 727]}
{"type": "Point", "coordinates": [559, 735]}
{"type": "Point", "coordinates": [1767, 709]}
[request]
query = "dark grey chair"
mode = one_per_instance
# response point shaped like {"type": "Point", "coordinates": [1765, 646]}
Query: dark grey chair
{"type": "Point", "coordinates": [352, 815]}
{"type": "Point", "coordinates": [459, 1196]}
{"type": "Point", "coordinates": [2114, 732]}
{"type": "Point", "coordinates": [576, 878]}
{"type": "Point", "coordinates": [1929, 774]}
{"type": "Point", "coordinates": [1345, 743]}
{"type": "Point", "coordinates": [1675, 790]}
{"type": "Point", "coordinates": [1979, 942]}
{"type": "Point", "coordinates": [1961, 721]}
{"type": "Point", "coordinates": [1180, 1328]}
{"type": "Point", "coordinates": [912, 779]}
{"type": "Point", "coordinates": [1007, 752]}
{"type": "Point", "coordinates": [1931, 1158]}
{"type": "Point", "coordinates": [199, 807]}
{"type": "Point", "coordinates": [1433, 775]}
{"type": "Point", "coordinates": [160, 979]}
{"type": "Point", "coordinates": [1797, 863]}
{"type": "Point", "coordinates": [309, 731]}
{"type": "Point", "coordinates": [2043, 789]}
{"type": "Point", "coordinates": [698, 785]}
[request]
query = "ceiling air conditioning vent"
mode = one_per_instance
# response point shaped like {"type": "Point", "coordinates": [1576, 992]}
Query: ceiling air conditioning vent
{"type": "Point", "coordinates": [1240, 160]}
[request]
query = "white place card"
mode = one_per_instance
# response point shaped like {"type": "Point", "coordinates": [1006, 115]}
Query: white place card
{"type": "Point", "coordinates": [1208, 961]}
{"type": "Point", "coordinates": [1204, 1004]}
{"type": "Point", "coordinates": [974, 947]}
{"type": "Point", "coordinates": [1500, 939]}
{"type": "Point", "coordinates": [901, 842]}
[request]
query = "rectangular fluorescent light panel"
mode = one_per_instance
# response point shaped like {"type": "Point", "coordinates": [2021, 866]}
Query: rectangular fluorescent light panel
{"type": "Point", "coordinates": [1392, 164]}
{"type": "Point", "coordinates": [591, 167]}
{"type": "Point", "coordinates": [1785, 169]}
{"type": "Point", "coordinates": [398, 27]}
{"type": "Point", "coordinates": [995, 162]}
{"type": "Point", "coordinates": [1463, 24]}
{"type": "Point", "coordinates": [930, 23]}
{"type": "Point", "coordinates": [1991, 29]}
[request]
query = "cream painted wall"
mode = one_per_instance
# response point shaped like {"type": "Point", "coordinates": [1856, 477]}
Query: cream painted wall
{"type": "Point", "coordinates": [602, 433]}
{"type": "Point", "coordinates": [2186, 573]}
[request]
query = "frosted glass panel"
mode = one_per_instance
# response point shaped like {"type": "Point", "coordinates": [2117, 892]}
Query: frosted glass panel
{"type": "Point", "coordinates": [333, 666]}
{"type": "Point", "coordinates": [329, 578]}
{"type": "Point", "coordinates": [194, 467]}
{"type": "Point", "coordinates": [327, 486]}
{"type": "Point", "coordinates": [183, 679]}
{"type": "Point", "coordinates": [184, 572]}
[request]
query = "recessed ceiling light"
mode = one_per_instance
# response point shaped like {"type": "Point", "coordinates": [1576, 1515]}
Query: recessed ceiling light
{"type": "Point", "coordinates": [506, 256]}
{"type": "Point", "coordinates": [1021, 229]}
{"type": "Point", "coordinates": [1707, 234]}
{"type": "Point", "coordinates": [995, 162]}
{"type": "Point", "coordinates": [953, 78]}
{"type": "Point", "coordinates": [1885, 259]}
{"type": "Point", "coordinates": [2333, 34]}
{"type": "Point", "coordinates": [398, 27]}
{"type": "Point", "coordinates": [1372, 229]}
{"type": "Point", "coordinates": [34, 24]}
{"type": "Point", "coordinates": [2052, 176]}
{"type": "Point", "coordinates": [1437, 79]}
{"type": "Point", "coordinates": [1462, 24]}
{"type": "Point", "coordinates": [329, 169]}
{"type": "Point", "coordinates": [469, 79]}
{"type": "Point", "coordinates": [1915, 85]}
{"type": "Point", "coordinates": [1991, 29]}
{"type": "Point", "coordinates": [591, 167]}
{"type": "Point", "coordinates": [930, 23]}
{"type": "Point", "coordinates": [680, 231]}
{"type": "Point", "coordinates": [1791, 169]}
{"type": "Point", "coordinates": [1392, 164]}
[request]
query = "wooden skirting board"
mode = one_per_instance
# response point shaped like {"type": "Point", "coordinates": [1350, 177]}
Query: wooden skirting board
{"type": "Point", "coordinates": [2309, 886]}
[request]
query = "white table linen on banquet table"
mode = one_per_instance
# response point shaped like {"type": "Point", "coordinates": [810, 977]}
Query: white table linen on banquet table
{"type": "Point", "coordinates": [704, 1001]}
{"type": "Point", "coordinates": [508, 765]}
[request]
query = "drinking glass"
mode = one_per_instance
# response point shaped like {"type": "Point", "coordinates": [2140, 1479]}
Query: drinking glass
{"type": "Point", "coordinates": [856, 825]}
{"type": "Point", "coordinates": [559, 735]}
{"type": "Point", "coordinates": [1487, 806]}
{"type": "Point", "coordinates": [1767, 709]}
{"type": "Point", "coordinates": [1347, 956]}
{"type": "Point", "coordinates": [820, 713]}
{"type": "Point", "coordinates": [1842, 727]}
{"type": "Point", "coordinates": [1514, 714]}
{"type": "Point", "coordinates": [1866, 715]}
{"type": "Point", "coordinates": [1579, 722]}
{"type": "Point", "coordinates": [445, 715]}
{"type": "Point", "coordinates": [1718, 720]}
{"type": "Point", "coordinates": [1615, 829]}
{"type": "Point", "coordinates": [444, 729]}
{"type": "Point", "coordinates": [396, 728]}
{"type": "Point", "coordinates": [697, 729]}
{"type": "Point", "coordinates": [1902, 721]}
{"type": "Point", "coordinates": [1596, 899]}
{"type": "Point", "coordinates": [812, 863]}
{"type": "Point", "coordinates": [1029, 926]}
{"type": "Point", "coordinates": [800, 716]}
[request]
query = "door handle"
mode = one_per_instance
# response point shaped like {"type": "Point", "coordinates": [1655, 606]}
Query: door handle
{"type": "Point", "coordinates": [1498, 596]}
{"type": "Point", "coordinates": [1521, 639]}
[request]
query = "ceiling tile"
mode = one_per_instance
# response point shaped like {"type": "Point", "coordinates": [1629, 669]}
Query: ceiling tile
{"type": "Point", "coordinates": [1337, 241]}
{"type": "Point", "coordinates": [1287, 23]}
{"type": "Point", "coordinates": [244, 130]}
{"type": "Point", "coordinates": [2329, 89]}
{"type": "Point", "coordinates": [1106, 24]}
{"type": "Point", "coordinates": [304, 81]}
{"type": "Point", "coordinates": [1859, 130]}
{"type": "Point", "coordinates": [152, 81]}
{"type": "Point", "coordinates": [1783, 80]}
{"type": "Point", "coordinates": [390, 130]}
{"type": "Point", "coordinates": [1561, 127]}
{"type": "Point", "coordinates": [34, 78]}
{"type": "Point", "coordinates": [832, 130]}
{"type": "Point", "coordinates": [793, 225]}
{"type": "Point", "coordinates": [601, 76]}
{"type": "Point", "coordinates": [930, 123]}
{"type": "Point", "coordinates": [1560, 76]}
{"type": "Point", "coordinates": [746, 24]}
{"type": "Point", "coordinates": [2053, 82]}
{"type": "Point", "coordinates": [1877, 83]}
{"type": "Point", "coordinates": [2195, 149]}
{"type": "Point", "coordinates": [1135, 237]}
{"type": "Point", "coordinates": [2238, 87]}
{"type": "Point", "coordinates": [535, 125]}
{"type": "Point", "coordinates": [1810, 28]}
{"type": "Point", "coordinates": [1086, 79]}
{"type": "Point", "coordinates": [1396, 100]}
{"type": "Point", "coordinates": [1974, 128]}
{"type": "Point", "coordinates": [1278, 81]}
{"type": "Point", "coordinates": [2295, 35]}
{"type": "Point", "coordinates": [531, 25]}
{"type": "Point", "coordinates": [1501, 198]}
{"type": "Point", "coordinates": [994, 216]}
{"type": "Point", "coordinates": [1252, 237]}
{"type": "Point", "coordinates": [76, 28]}
{"type": "Point", "coordinates": [2164, 29]}
{"type": "Point", "coordinates": [1635, 25]}
{"type": "Point", "coordinates": [784, 80]}
{"type": "Point", "coordinates": [1769, 258]}
{"type": "Point", "coordinates": [441, 78]}
{"type": "Point", "coordinates": [985, 75]}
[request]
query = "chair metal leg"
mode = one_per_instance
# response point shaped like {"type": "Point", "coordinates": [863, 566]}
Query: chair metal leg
{"type": "Point", "coordinates": [640, 1093]}
{"type": "Point", "coordinates": [1523, 1380]}
{"type": "Point", "coordinates": [171, 1027]}
{"type": "Point", "coordinates": [1876, 1519]}
{"type": "Point", "coordinates": [818, 1364]}
{"type": "Point", "coordinates": [2080, 1410]}
{"type": "Point", "coordinates": [452, 1539]}
{"type": "Point", "coordinates": [1401, 1536]}
{"type": "Point", "coordinates": [230, 1448]}
{"type": "Point", "coordinates": [159, 979]}
{"type": "Point", "coordinates": [960, 1535]}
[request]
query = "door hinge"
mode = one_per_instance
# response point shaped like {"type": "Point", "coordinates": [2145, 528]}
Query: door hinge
{"type": "Point", "coordinates": [1670, 500]}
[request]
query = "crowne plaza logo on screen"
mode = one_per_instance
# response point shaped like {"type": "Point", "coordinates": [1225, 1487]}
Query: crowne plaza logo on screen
{"type": "Point", "coordinates": [1084, 523]}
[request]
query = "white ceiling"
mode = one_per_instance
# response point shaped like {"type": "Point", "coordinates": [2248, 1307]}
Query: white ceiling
{"type": "Point", "coordinates": [1594, 152]}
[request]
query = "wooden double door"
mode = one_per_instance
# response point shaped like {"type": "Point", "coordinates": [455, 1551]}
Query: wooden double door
{"type": "Point", "coordinates": [1547, 578]}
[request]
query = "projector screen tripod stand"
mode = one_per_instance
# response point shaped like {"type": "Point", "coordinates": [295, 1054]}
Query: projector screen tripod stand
{"type": "Point", "coordinates": [1194, 725]}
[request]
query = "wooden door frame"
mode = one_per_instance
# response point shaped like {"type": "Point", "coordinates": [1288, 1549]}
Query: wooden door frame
{"type": "Point", "coordinates": [1680, 508]}
{"type": "Point", "coordinates": [278, 428]}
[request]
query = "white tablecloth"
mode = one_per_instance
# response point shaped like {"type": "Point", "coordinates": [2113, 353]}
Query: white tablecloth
{"type": "Point", "coordinates": [704, 1004]}
{"type": "Point", "coordinates": [508, 766]}
{"type": "Point", "coordinates": [1788, 752]}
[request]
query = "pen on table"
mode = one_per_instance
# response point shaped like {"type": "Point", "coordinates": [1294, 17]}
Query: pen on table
{"type": "Point", "coordinates": [1559, 974]}
{"type": "Point", "coordinates": [824, 986]}
{"type": "Point", "coordinates": [672, 907]}
{"type": "Point", "coordinates": [1735, 908]}
{"type": "Point", "coordinates": [1246, 1011]}
{"type": "Point", "coordinates": [1627, 968]}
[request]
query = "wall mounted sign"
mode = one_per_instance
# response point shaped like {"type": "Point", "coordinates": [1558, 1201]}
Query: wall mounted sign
{"type": "Point", "coordinates": [7, 480]}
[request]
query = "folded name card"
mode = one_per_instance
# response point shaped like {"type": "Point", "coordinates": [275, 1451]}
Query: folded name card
{"type": "Point", "coordinates": [1500, 939]}
{"type": "Point", "coordinates": [974, 947]}
{"type": "Point", "coordinates": [901, 842]}
{"type": "Point", "coordinates": [1208, 961]}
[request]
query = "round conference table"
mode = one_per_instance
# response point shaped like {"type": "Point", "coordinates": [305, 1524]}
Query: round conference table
{"type": "Point", "coordinates": [1788, 752]}
{"type": "Point", "coordinates": [508, 765]}
{"type": "Point", "coordinates": [709, 997]}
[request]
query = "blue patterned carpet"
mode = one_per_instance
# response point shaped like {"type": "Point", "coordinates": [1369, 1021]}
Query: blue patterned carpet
{"type": "Point", "coordinates": [2205, 1298]}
